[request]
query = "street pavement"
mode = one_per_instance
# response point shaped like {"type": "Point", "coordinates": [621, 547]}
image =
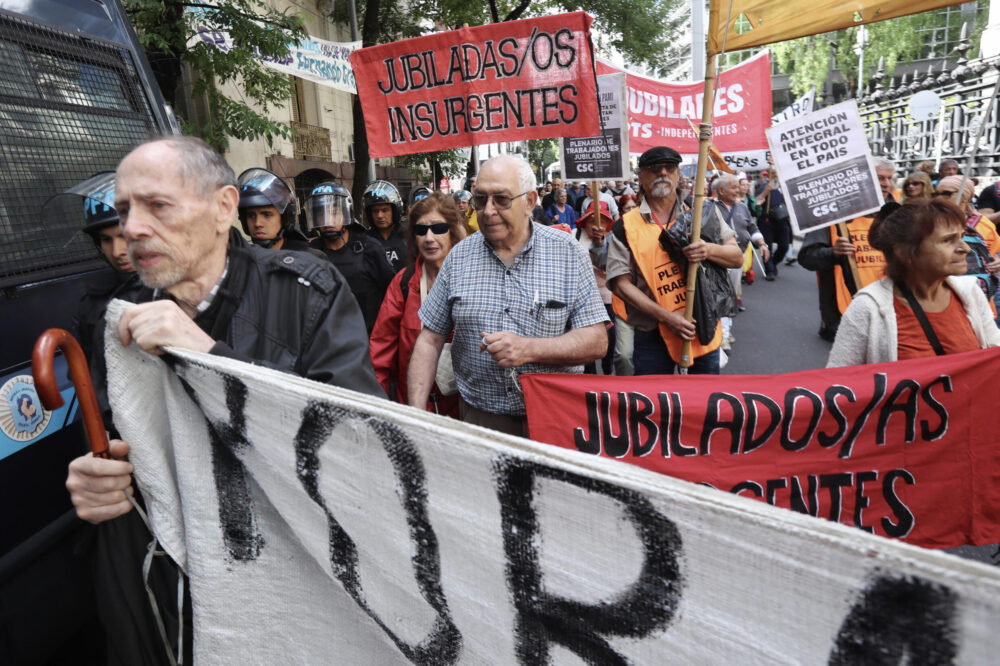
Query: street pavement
{"type": "Point", "coordinates": [778, 331]}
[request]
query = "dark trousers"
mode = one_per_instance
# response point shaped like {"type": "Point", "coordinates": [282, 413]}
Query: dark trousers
{"type": "Point", "coordinates": [776, 232]}
{"type": "Point", "coordinates": [651, 357]}
{"type": "Point", "coordinates": [608, 362]}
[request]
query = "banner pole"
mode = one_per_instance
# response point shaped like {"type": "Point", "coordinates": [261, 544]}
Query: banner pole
{"type": "Point", "coordinates": [704, 138]}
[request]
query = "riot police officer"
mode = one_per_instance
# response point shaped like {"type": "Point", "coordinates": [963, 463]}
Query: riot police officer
{"type": "Point", "coordinates": [357, 255]}
{"type": "Point", "coordinates": [383, 214]}
{"type": "Point", "coordinates": [267, 211]}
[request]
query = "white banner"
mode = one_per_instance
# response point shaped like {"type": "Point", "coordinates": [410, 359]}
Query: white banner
{"type": "Point", "coordinates": [318, 525]}
{"type": "Point", "coordinates": [825, 167]}
{"type": "Point", "coordinates": [315, 59]}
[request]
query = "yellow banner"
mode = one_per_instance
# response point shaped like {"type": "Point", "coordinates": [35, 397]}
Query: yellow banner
{"type": "Point", "coordinates": [777, 20]}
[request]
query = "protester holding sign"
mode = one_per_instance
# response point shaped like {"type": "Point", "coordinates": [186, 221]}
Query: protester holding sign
{"type": "Point", "coordinates": [651, 283]}
{"type": "Point", "coordinates": [825, 252]}
{"type": "Point", "coordinates": [922, 308]}
{"type": "Point", "coordinates": [592, 234]}
{"type": "Point", "coordinates": [520, 297]}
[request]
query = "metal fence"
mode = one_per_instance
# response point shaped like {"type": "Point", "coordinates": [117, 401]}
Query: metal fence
{"type": "Point", "coordinates": [964, 86]}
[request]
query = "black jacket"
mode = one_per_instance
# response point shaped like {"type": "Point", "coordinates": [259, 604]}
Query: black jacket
{"type": "Point", "coordinates": [286, 310]}
{"type": "Point", "coordinates": [290, 311]}
{"type": "Point", "coordinates": [396, 252]}
{"type": "Point", "coordinates": [363, 264]}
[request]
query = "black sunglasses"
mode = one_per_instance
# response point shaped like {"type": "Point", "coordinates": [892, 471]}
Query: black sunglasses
{"type": "Point", "coordinates": [437, 228]}
{"type": "Point", "coordinates": [943, 194]}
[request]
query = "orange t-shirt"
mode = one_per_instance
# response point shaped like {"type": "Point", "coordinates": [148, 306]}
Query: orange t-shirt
{"type": "Point", "coordinates": [950, 325]}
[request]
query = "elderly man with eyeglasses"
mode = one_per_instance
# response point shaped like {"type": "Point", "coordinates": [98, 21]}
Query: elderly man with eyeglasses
{"type": "Point", "coordinates": [520, 297]}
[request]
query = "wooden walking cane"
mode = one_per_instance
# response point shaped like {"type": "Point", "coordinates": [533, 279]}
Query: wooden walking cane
{"type": "Point", "coordinates": [704, 138]}
{"type": "Point", "coordinates": [43, 370]}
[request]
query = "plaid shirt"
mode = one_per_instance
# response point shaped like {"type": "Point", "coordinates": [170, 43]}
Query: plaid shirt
{"type": "Point", "coordinates": [547, 291]}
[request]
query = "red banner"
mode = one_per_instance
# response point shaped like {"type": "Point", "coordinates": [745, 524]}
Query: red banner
{"type": "Point", "coordinates": [909, 450]}
{"type": "Point", "coordinates": [658, 111]}
{"type": "Point", "coordinates": [511, 81]}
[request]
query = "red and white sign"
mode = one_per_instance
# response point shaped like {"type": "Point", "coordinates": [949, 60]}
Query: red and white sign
{"type": "Point", "coordinates": [906, 450]}
{"type": "Point", "coordinates": [659, 112]}
{"type": "Point", "coordinates": [509, 81]}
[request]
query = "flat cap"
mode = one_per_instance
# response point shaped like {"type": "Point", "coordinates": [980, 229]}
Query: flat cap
{"type": "Point", "coordinates": [659, 155]}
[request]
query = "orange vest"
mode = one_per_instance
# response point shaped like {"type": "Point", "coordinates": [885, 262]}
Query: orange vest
{"type": "Point", "coordinates": [666, 281]}
{"type": "Point", "coordinates": [871, 262]}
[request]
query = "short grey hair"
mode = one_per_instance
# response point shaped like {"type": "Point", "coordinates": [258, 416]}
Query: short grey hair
{"type": "Point", "coordinates": [724, 179]}
{"type": "Point", "coordinates": [526, 181]}
{"type": "Point", "coordinates": [882, 163]}
{"type": "Point", "coordinates": [200, 164]}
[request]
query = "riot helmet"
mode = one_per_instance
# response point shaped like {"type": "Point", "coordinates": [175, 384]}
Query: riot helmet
{"type": "Point", "coordinates": [381, 192]}
{"type": "Point", "coordinates": [96, 195]}
{"type": "Point", "coordinates": [94, 201]}
{"type": "Point", "coordinates": [463, 197]}
{"type": "Point", "coordinates": [329, 210]}
{"type": "Point", "coordinates": [417, 194]}
{"type": "Point", "coordinates": [261, 188]}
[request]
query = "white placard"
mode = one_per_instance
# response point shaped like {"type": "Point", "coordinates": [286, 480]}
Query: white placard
{"type": "Point", "coordinates": [825, 167]}
{"type": "Point", "coordinates": [603, 157]}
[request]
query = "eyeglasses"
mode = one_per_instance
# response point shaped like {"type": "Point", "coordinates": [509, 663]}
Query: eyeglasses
{"type": "Point", "coordinates": [943, 194]}
{"type": "Point", "coordinates": [913, 183]}
{"type": "Point", "coordinates": [500, 201]}
{"type": "Point", "coordinates": [437, 228]}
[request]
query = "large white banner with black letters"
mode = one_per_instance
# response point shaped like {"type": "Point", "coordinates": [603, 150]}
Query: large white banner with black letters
{"type": "Point", "coordinates": [318, 525]}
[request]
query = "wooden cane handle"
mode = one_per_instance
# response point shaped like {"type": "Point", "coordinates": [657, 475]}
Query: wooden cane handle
{"type": "Point", "coordinates": [43, 370]}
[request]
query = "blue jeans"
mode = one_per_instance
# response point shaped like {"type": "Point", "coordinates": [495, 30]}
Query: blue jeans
{"type": "Point", "coordinates": [650, 357]}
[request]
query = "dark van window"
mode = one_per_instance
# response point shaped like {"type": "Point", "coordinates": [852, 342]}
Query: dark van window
{"type": "Point", "coordinates": [69, 108]}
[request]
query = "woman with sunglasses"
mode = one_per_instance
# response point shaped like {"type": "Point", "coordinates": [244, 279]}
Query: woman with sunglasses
{"type": "Point", "coordinates": [917, 186]}
{"type": "Point", "coordinates": [435, 226]}
{"type": "Point", "coordinates": [926, 305]}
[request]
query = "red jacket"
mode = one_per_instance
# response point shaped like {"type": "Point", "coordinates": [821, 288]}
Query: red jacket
{"type": "Point", "coordinates": [393, 337]}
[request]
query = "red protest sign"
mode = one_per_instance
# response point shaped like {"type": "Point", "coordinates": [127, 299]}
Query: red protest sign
{"type": "Point", "coordinates": [509, 81]}
{"type": "Point", "coordinates": [907, 450]}
{"type": "Point", "coordinates": [659, 112]}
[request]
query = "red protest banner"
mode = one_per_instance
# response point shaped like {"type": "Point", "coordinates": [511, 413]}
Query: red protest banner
{"type": "Point", "coordinates": [909, 450]}
{"type": "Point", "coordinates": [509, 81]}
{"type": "Point", "coordinates": [658, 111]}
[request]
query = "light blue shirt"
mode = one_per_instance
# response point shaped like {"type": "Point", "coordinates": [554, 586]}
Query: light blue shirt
{"type": "Point", "coordinates": [548, 290]}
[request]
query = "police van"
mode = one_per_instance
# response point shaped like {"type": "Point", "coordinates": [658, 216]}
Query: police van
{"type": "Point", "coordinates": [76, 93]}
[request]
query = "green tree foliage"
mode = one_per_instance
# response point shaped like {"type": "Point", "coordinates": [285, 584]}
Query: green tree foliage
{"type": "Point", "coordinates": [430, 167]}
{"type": "Point", "coordinates": [808, 59]}
{"type": "Point", "coordinates": [165, 29]}
{"type": "Point", "coordinates": [541, 153]}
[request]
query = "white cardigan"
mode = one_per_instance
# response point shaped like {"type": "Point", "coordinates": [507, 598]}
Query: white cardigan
{"type": "Point", "coordinates": [867, 332]}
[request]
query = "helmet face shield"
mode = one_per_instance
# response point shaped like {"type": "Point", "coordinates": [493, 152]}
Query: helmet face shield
{"type": "Point", "coordinates": [93, 201]}
{"type": "Point", "coordinates": [260, 187]}
{"type": "Point", "coordinates": [327, 210]}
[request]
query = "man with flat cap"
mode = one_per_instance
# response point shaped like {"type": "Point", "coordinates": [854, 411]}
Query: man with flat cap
{"type": "Point", "coordinates": [653, 284]}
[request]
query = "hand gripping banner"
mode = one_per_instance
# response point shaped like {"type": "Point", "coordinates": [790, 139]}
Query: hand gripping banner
{"type": "Point", "coordinates": [317, 525]}
{"type": "Point", "coordinates": [661, 113]}
{"type": "Point", "coordinates": [908, 450]}
{"type": "Point", "coordinates": [511, 81]}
